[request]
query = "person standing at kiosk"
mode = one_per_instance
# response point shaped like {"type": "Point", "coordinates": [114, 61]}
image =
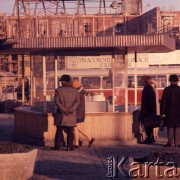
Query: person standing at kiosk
{"type": "Point", "coordinates": [67, 100]}
{"type": "Point", "coordinates": [80, 112]}
{"type": "Point", "coordinates": [148, 106]}
{"type": "Point", "coordinates": [170, 110]}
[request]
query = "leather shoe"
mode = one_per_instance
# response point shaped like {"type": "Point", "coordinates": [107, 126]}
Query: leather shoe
{"type": "Point", "coordinates": [148, 141]}
{"type": "Point", "coordinates": [64, 144]}
{"type": "Point", "coordinates": [75, 146]}
{"type": "Point", "coordinates": [169, 145]}
{"type": "Point", "coordinates": [91, 142]}
{"type": "Point", "coordinates": [80, 143]}
{"type": "Point", "coordinates": [70, 149]}
{"type": "Point", "coordinates": [56, 149]}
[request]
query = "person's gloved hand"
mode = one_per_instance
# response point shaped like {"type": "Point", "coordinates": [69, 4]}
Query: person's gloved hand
{"type": "Point", "coordinates": [66, 111]}
{"type": "Point", "coordinates": [70, 110]}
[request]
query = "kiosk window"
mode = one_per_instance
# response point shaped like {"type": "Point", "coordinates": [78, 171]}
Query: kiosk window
{"type": "Point", "coordinates": [50, 84]}
{"type": "Point", "coordinates": [90, 82]}
{"type": "Point", "coordinates": [161, 81]}
{"type": "Point", "coordinates": [75, 78]}
{"type": "Point", "coordinates": [118, 80]}
{"type": "Point", "coordinates": [131, 82]}
{"type": "Point", "coordinates": [139, 82]}
{"type": "Point", "coordinates": [107, 83]}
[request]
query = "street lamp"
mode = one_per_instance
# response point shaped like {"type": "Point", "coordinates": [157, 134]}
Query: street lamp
{"type": "Point", "coordinates": [115, 4]}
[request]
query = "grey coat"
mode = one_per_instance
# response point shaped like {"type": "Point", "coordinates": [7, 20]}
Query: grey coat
{"type": "Point", "coordinates": [67, 98]}
{"type": "Point", "coordinates": [170, 105]}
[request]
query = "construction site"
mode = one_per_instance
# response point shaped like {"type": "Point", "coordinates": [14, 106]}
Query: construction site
{"type": "Point", "coordinates": [70, 19]}
{"type": "Point", "coordinates": [62, 28]}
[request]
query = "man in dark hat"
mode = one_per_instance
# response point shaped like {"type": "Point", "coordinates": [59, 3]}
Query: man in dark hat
{"type": "Point", "coordinates": [67, 100]}
{"type": "Point", "coordinates": [170, 109]}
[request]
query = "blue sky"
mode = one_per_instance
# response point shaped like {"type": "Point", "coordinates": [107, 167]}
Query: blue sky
{"type": "Point", "coordinates": [7, 5]}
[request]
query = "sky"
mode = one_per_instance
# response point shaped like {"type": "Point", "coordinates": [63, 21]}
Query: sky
{"type": "Point", "coordinates": [7, 5]}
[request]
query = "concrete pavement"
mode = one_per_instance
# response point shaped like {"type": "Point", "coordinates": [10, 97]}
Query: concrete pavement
{"type": "Point", "coordinates": [84, 163]}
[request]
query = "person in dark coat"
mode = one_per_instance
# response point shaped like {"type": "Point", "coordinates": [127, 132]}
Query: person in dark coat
{"type": "Point", "coordinates": [67, 100]}
{"type": "Point", "coordinates": [27, 90]}
{"type": "Point", "coordinates": [170, 109]}
{"type": "Point", "coordinates": [80, 114]}
{"type": "Point", "coordinates": [154, 85]}
{"type": "Point", "coordinates": [148, 106]}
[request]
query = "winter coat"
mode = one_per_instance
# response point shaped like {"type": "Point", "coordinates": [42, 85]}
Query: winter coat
{"type": "Point", "coordinates": [170, 105]}
{"type": "Point", "coordinates": [148, 102]}
{"type": "Point", "coordinates": [66, 98]}
{"type": "Point", "coordinates": [80, 113]}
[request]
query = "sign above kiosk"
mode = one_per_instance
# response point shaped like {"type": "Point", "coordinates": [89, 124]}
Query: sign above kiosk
{"type": "Point", "coordinates": [103, 62]}
{"type": "Point", "coordinates": [88, 62]}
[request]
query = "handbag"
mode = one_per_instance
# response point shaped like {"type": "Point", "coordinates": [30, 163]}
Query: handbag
{"type": "Point", "coordinates": [161, 127]}
{"type": "Point", "coordinates": [152, 121]}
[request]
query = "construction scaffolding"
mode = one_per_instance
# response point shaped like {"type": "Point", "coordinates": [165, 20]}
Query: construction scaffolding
{"type": "Point", "coordinates": [66, 7]}
{"type": "Point", "coordinates": [3, 33]}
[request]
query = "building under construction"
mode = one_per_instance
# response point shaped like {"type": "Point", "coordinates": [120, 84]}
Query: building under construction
{"type": "Point", "coordinates": [59, 29]}
{"type": "Point", "coordinates": [81, 18]}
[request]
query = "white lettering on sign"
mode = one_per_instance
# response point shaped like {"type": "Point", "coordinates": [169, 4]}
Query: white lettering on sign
{"type": "Point", "coordinates": [142, 60]}
{"type": "Point", "coordinates": [88, 62]}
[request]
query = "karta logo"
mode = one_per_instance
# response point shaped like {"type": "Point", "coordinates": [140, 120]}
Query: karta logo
{"type": "Point", "coordinates": [132, 169]}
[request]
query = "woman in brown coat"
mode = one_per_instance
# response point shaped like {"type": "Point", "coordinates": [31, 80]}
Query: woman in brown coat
{"type": "Point", "coordinates": [80, 114]}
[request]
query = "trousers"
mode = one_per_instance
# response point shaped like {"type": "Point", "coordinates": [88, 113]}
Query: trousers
{"type": "Point", "coordinates": [174, 136]}
{"type": "Point", "coordinates": [59, 136]}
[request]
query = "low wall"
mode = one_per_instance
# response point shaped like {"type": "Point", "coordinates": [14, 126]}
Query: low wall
{"type": "Point", "coordinates": [38, 128]}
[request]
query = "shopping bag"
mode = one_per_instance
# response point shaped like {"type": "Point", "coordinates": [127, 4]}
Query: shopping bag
{"type": "Point", "coordinates": [152, 121]}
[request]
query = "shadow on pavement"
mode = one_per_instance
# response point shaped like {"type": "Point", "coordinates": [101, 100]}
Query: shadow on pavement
{"type": "Point", "coordinates": [64, 170]}
{"type": "Point", "coordinates": [6, 127]}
